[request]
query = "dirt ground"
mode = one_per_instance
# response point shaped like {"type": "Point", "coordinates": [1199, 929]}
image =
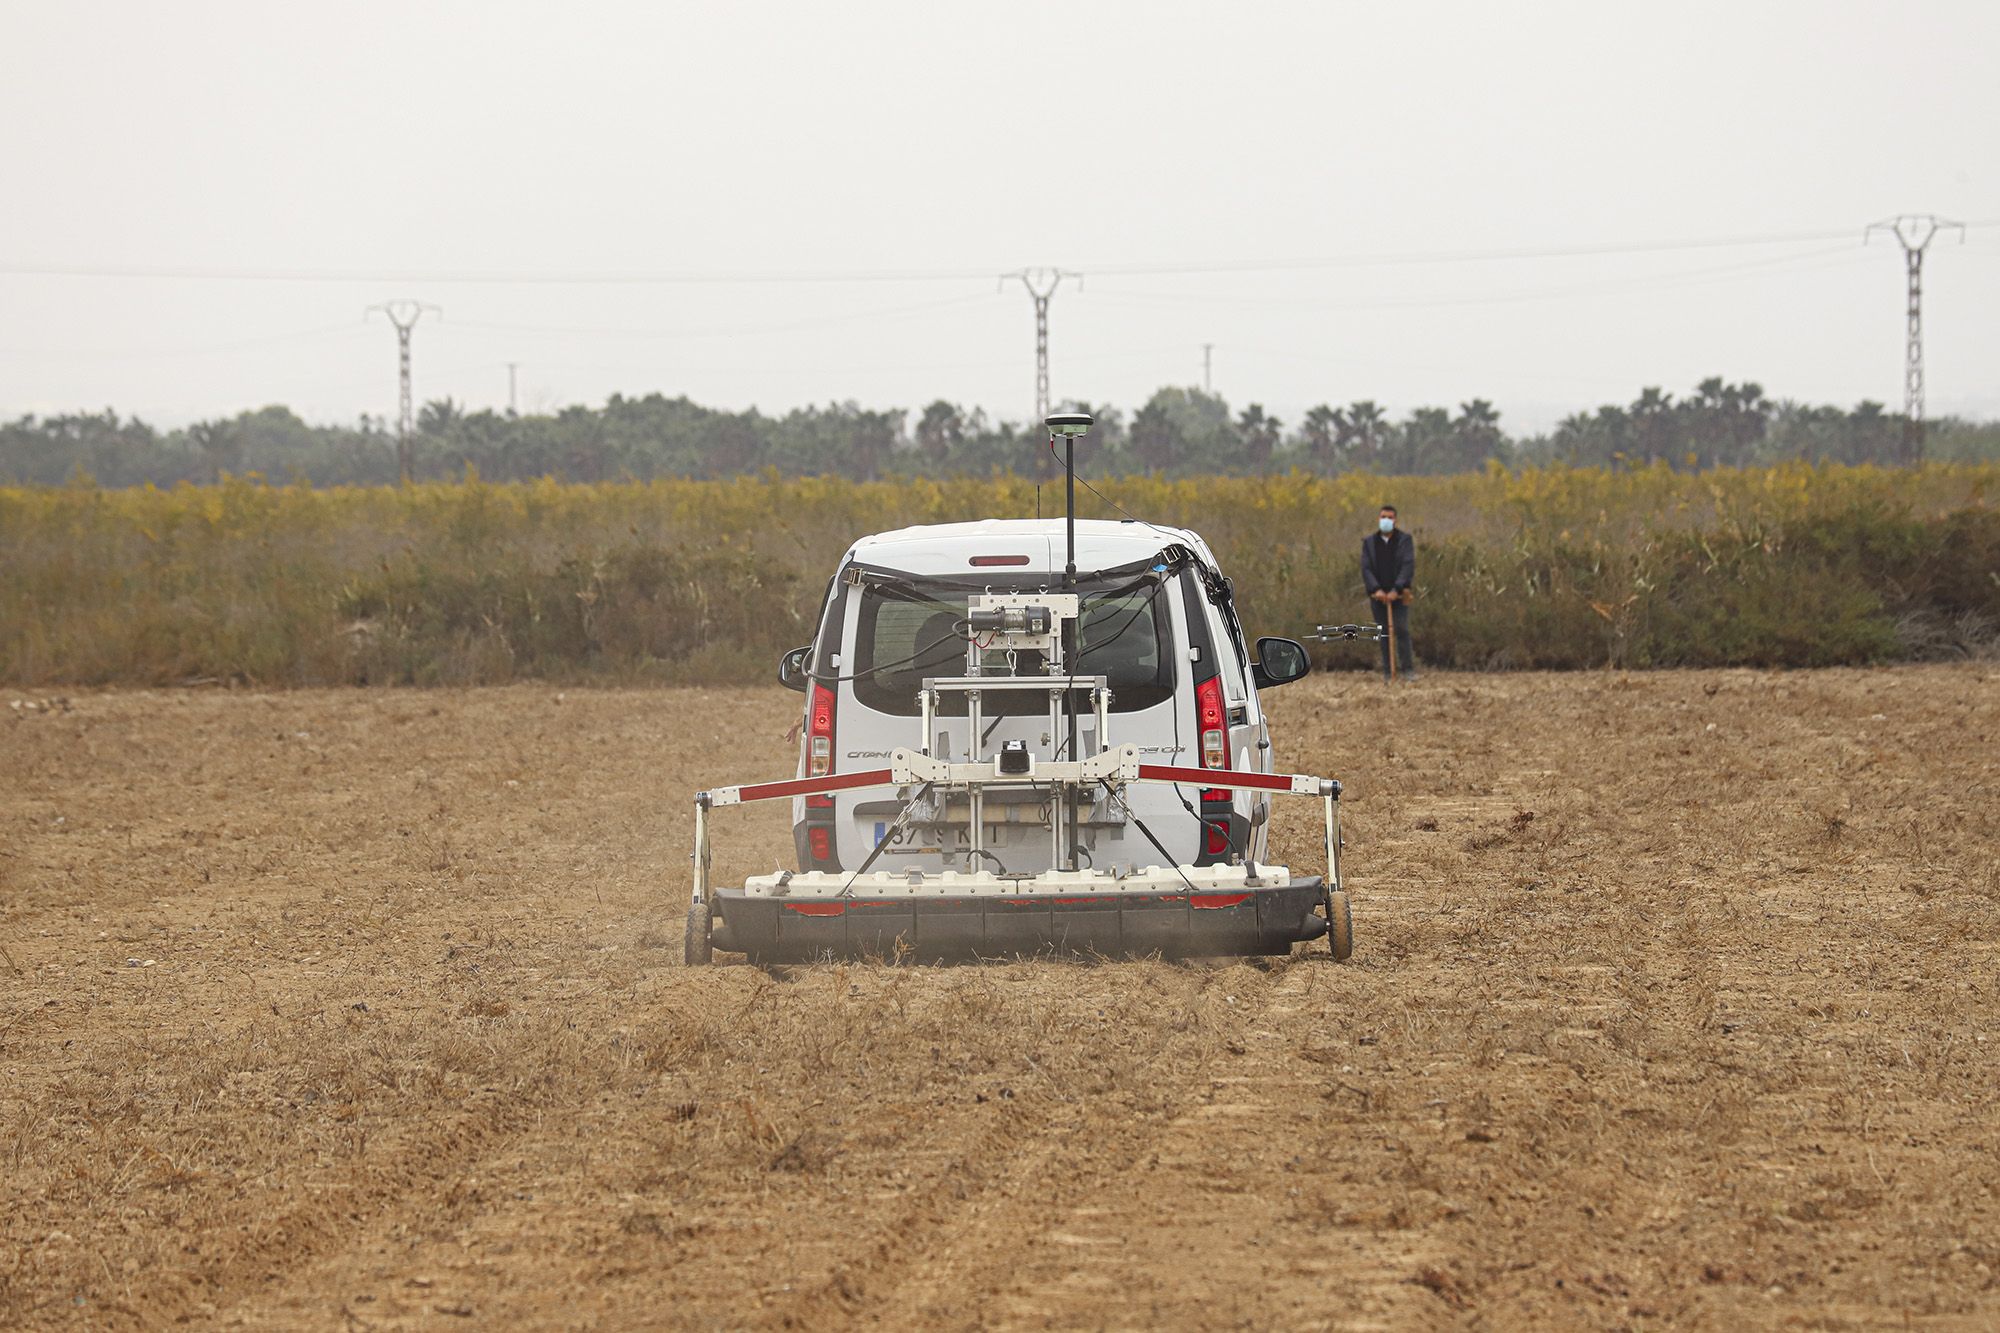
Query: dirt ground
{"type": "Point", "coordinates": [1675, 1003]}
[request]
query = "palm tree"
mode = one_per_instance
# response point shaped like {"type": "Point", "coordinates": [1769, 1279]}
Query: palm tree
{"type": "Point", "coordinates": [1614, 436]}
{"type": "Point", "coordinates": [939, 430]}
{"type": "Point", "coordinates": [1749, 416]}
{"type": "Point", "coordinates": [1319, 438]}
{"type": "Point", "coordinates": [1425, 439]}
{"type": "Point", "coordinates": [1258, 435]}
{"type": "Point", "coordinates": [1653, 420]}
{"type": "Point", "coordinates": [1475, 435]}
{"type": "Point", "coordinates": [1363, 430]}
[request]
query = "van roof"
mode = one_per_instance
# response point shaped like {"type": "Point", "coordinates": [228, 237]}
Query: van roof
{"type": "Point", "coordinates": [941, 548]}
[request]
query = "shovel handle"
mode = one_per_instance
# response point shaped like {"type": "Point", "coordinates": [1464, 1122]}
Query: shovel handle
{"type": "Point", "coordinates": [1389, 646]}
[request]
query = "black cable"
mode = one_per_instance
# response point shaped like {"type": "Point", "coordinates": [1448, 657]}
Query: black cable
{"type": "Point", "coordinates": [902, 815]}
{"type": "Point", "coordinates": [1144, 522]}
{"type": "Point", "coordinates": [1129, 620]}
{"type": "Point", "coordinates": [1180, 795]}
{"type": "Point", "coordinates": [1063, 743]}
{"type": "Point", "coordinates": [956, 633]}
{"type": "Point", "coordinates": [959, 631]}
{"type": "Point", "coordinates": [1140, 824]}
{"type": "Point", "coordinates": [1218, 591]}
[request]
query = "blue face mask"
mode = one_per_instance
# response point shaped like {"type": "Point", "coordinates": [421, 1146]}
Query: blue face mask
{"type": "Point", "coordinates": [1388, 525]}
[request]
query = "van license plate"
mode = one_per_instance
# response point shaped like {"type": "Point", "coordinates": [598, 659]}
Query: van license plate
{"type": "Point", "coordinates": [897, 847]}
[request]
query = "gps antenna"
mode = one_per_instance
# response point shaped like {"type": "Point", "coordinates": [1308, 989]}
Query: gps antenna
{"type": "Point", "coordinates": [1069, 425]}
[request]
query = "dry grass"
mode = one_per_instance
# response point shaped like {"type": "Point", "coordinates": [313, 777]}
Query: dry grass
{"type": "Point", "coordinates": [1675, 1003]}
{"type": "Point", "coordinates": [691, 582]}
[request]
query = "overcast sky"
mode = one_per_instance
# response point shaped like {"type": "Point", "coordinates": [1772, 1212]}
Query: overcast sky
{"type": "Point", "coordinates": [201, 198]}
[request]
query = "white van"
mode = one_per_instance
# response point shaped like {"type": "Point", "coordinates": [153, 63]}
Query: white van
{"type": "Point", "coordinates": [1156, 620]}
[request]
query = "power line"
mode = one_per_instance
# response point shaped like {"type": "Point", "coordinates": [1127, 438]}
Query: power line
{"type": "Point", "coordinates": [724, 331]}
{"type": "Point", "coordinates": [494, 277]}
{"type": "Point", "coordinates": [1602, 287]}
{"type": "Point", "coordinates": [404, 315]}
{"type": "Point", "coordinates": [166, 353]}
{"type": "Point", "coordinates": [1575, 251]}
{"type": "Point", "coordinates": [760, 370]}
{"type": "Point", "coordinates": [1608, 287]}
{"type": "Point", "coordinates": [1914, 232]}
{"type": "Point", "coordinates": [499, 277]}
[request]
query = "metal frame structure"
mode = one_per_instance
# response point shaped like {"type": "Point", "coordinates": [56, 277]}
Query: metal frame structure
{"type": "Point", "coordinates": [917, 773]}
{"type": "Point", "coordinates": [1111, 770]}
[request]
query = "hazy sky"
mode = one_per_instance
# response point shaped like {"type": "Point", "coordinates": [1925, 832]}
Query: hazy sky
{"type": "Point", "coordinates": [201, 198]}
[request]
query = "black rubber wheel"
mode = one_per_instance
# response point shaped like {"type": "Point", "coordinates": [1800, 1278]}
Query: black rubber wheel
{"type": "Point", "coordinates": [1339, 926]}
{"type": "Point", "coordinates": [697, 952]}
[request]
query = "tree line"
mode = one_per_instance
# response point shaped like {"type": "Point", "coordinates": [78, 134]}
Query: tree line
{"type": "Point", "coordinates": [1177, 432]}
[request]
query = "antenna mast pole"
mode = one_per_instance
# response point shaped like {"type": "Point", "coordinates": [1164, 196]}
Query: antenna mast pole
{"type": "Point", "coordinates": [1914, 232]}
{"type": "Point", "coordinates": [1069, 425]}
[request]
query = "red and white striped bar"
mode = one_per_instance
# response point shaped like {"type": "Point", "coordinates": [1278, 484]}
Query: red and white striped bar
{"type": "Point", "coordinates": [1297, 784]}
{"type": "Point", "coordinates": [772, 791]}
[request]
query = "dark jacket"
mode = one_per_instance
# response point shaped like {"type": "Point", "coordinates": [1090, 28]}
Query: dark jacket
{"type": "Point", "coordinates": [1391, 564]}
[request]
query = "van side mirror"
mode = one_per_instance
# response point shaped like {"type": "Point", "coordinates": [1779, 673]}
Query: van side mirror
{"type": "Point", "coordinates": [792, 669]}
{"type": "Point", "coordinates": [1279, 661]}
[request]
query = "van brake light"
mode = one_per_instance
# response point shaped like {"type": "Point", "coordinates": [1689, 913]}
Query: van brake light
{"type": "Point", "coordinates": [1209, 717]}
{"type": "Point", "coordinates": [819, 725]}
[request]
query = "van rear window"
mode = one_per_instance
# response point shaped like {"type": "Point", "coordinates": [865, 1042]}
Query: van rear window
{"type": "Point", "coordinates": [902, 637]}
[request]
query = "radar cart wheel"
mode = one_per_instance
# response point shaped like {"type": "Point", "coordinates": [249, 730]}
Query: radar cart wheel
{"type": "Point", "coordinates": [1339, 926]}
{"type": "Point", "coordinates": [700, 923]}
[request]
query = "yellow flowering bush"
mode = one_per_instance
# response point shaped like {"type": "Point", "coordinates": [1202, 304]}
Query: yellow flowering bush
{"type": "Point", "coordinates": [680, 580]}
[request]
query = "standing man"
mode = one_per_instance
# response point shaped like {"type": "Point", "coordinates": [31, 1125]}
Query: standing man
{"type": "Point", "coordinates": [1388, 568]}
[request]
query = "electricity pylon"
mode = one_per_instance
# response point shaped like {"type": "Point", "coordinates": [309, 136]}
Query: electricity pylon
{"type": "Point", "coordinates": [1914, 232]}
{"type": "Point", "coordinates": [404, 315]}
{"type": "Point", "coordinates": [1041, 284]}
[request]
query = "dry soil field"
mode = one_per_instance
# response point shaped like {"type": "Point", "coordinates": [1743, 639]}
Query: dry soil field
{"type": "Point", "coordinates": [1675, 1003]}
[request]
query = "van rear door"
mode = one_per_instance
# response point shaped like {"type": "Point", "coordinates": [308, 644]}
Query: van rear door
{"type": "Point", "coordinates": [1247, 748]}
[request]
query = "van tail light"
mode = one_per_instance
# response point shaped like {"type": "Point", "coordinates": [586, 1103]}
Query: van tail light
{"type": "Point", "coordinates": [1219, 820]}
{"type": "Point", "coordinates": [1210, 720]}
{"type": "Point", "coordinates": [819, 732]}
{"type": "Point", "coordinates": [815, 832]}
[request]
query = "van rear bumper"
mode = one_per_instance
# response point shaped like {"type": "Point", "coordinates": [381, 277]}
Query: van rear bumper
{"type": "Point", "coordinates": [1220, 914]}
